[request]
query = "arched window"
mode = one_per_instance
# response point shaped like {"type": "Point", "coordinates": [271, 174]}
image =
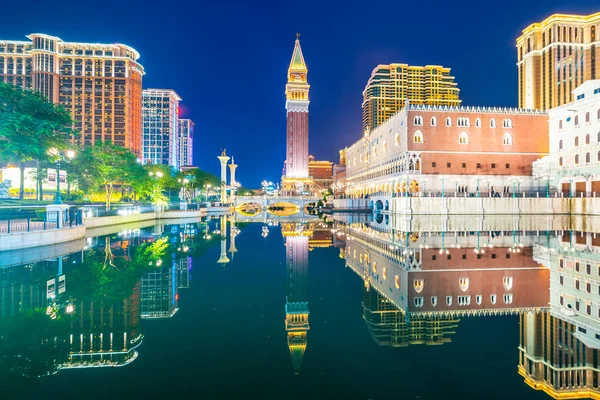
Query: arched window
{"type": "Point", "coordinates": [463, 138]}
{"type": "Point", "coordinates": [560, 160]}
{"type": "Point", "coordinates": [507, 123]}
{"type": "Point", "coordinates": [493, 299]}
{"type": "Point", "coordinates": [560, 144]}
{"type": "Point", "coordinates": [576, 159]}
{"type": "Point", "coordinates": [478, 123]}
{"type": "Point", "coordinates": [397, 139]}
{"type": "Point", "coordinates": [478, 299]}
{"type": "Point", "coordinates": [418, 302]}
{"type": "Point", "coordinates": [492, 123]}
{"type": "Point", "coordinates": [598, 117]}
{"type": "Point", "coordinates": [599, 156]}
{"type": "Point", "coordinates": [448, 300]}
{"type": "Point", "coordinates": [418, 137]}
{"type": "Point", "coordinates": [508, 298]}
{"type": "Point", "coordinates": [576, 141]}
{"type": "Point", "coordinates": [560, 124]}
{"type": "Point", "coordinates": [374, 267]}
{"type": "Point", "coordinates": [507, 281]}
{"type": "Point", "coordinates": [433, 121]}
{"type": "Point", "coordinates": [576, 120]}
{"type": "Point", "coordinates": [587, 117]}
{"type": "Point", "coordinates": [448, 121]}
{"type": "Point", "coordinates": [507, 139]}
{"type": "Point", "coordinates": [418, 284]}
{"type": "Point", "coordinates": [587, 139]}
{"type": "Point", "coordinates": [384, 273]}
{"type": "Point", "coordinates": [463, 284]}
{"type": "Point", "coordinates": [418, 120]}
{"type": "Point", "coordinates": [397, 282]}
{"type": "Point", "coordinates": [588, 158]}
{"type": "Point", "coordinates": [434, 301]}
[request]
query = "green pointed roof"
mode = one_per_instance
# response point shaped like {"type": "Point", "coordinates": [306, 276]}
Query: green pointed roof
{"type": "Point", "coordinates": [297, 353]}
{"type": "Point", "coordinates": [297, 62]}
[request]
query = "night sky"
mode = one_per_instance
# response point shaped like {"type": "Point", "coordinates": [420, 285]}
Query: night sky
{"type": "Point", "coordinates": [228, 59]}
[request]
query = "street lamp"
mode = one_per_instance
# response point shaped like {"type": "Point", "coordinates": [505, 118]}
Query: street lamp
{"type": "Point", "coordinates": [70, 154]}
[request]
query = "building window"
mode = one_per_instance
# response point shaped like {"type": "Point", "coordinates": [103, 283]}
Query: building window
{"type": "Point", "coordinates": [507, 165]}
{"type": "Point", "coordinates": [492, 123]}
{"type": "Point", "coordinates": [478, 299]}
{"type": "Point", "coordinates": [493, 298]}
{"type": "Point", "coordinates": [433, 257]}
{"type": "Point", "coordinates": [588, 269]}
{"type": "Point", "coordinates": [576, 159]}
{"type": "Point", "coordinates": [560, 161]}
{"type": "Point", "coordinates": [507, 281]}
{"type": "Point", "coordinates": [577, 284]}
{"type": "Point", "coordinates": [507, 139]}
{"type": "Point", "coordinates": [560, 124]}
{"type": "Point", "coordinates": [507, 255]}
{"type": "Point", "coordinates": [493, 165]}
{"type": "Point", "coordinates": [587, 139]}
{"type": "Point", "coordinates": [418, 137]}
{"type": "Point", "coordinates": [561, 280]}
{"type": "Point", "coordinates": [463, 138]}
{"type": "Point", "coordinates": [397, 139]}
{"type": "Point", "coordinates": [478, 123]}
{"type": "Point", "coordinates": [448, 300]}
{"type": "Point", "coordinates": [560, 144]}
{"type": "Point", "coordinates": [433, 121]}
{"type": "Point", "coordinates": [448, 121]}
{"type": "Point", "coordinates": [434, 301]}
{"type": "Point", "coordinates": [449, 165]}
{"type": "Point", "coordinates": [397, 282]}
{"type": "Point", "coordinates": [418, 120]}
{"type": "Point", "coordinates": [463, 284]}
{"type": "Point", "coordinates": [433, 164]}
{"type": "Point", "coordinates": [507, 123]}
{"type": "Point", "coordinates": [478, 165]}
{"type": "Point", "coordinates": [418, 285]}
{"type": "Point", "coordinates": [508, 298]}
{"type": "Point", "coordinates": [464, 256]}
{"type": "Point", "coordinates": [587, 158]}
{"type": "Point", "coordinates": [577, 120]}
{"type": "Point", "coordinates": [587, 117]}
{"type": "Point", "coordinates": [493, 256]}
{"type": "Point", "coordinates": [588, 287]}
{"type": "Point", "coordinates": [418, 302]}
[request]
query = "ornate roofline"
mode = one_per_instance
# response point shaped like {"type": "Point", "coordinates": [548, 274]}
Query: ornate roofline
{"type": "Point", "coordinates": [476, 109]}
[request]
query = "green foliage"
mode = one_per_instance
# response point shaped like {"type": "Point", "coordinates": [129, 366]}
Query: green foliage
{"type": "Point", "coordinates": [107, 279]}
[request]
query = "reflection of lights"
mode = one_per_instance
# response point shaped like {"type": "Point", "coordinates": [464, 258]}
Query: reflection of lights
{"type": "Point", "coordinates": [158, 263]}
{"type": "Point", "coordinates": [70, 309]}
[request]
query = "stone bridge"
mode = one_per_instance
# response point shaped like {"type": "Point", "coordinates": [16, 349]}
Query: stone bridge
{"type": "Point", "coordinates": [267, 201]}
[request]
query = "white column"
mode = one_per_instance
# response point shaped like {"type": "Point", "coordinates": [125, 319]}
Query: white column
{"type": "Point", "coordinates": [223, 159]}
{"type": "Point", "coordinates": [232, 167]}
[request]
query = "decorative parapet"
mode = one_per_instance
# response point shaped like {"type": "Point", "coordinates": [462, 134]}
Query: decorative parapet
{"type": "Point", "coordinates": [478, 109]}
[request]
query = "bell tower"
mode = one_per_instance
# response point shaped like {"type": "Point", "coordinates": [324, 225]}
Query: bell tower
{"type": "Point", "coordinates": [296, 178]}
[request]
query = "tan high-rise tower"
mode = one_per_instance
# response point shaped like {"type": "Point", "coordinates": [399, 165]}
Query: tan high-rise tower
{"type": "Point", "coordinates": [554, 57]}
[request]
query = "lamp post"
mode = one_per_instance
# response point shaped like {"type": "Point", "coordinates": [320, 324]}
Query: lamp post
{"type": "Point", "coordinates": [514, 194]}
{"type": "Point", "coordinates": [70, 154]}
{"type": "Point", "coordinates": [443, 193]}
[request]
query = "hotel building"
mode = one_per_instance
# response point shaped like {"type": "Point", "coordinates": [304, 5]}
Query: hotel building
{"type": "Point", "coordinates": [464, 150]}
{"type": "Point", "coordinates": [390, 86]}
{"type": "Point", "coordinates": [574, 161]}
{"type": "Point", "coordinates": [159, 295]}
{"type": "Point", "coordinates": [160, 134]}
{"type": "Point", "coordinates": [100, 84]}
{"type": "Point", "coordinates": [186, 137]}
{"type": "Point", "coordinates": [554, 57]}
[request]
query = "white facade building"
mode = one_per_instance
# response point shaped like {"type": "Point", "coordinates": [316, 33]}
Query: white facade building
{"type": "Point", "coordinates": [574, 161]}
{"type": "Point", "coordinates": [186, 137]}
{"type": "Point", "coordinates": [160, 138]}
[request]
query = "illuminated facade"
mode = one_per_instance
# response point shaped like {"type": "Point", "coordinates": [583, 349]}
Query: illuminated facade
{"type": "Point", "coordinates": [160, 134]}
{"type": "Point", "coordinates": [321, 172]}
{"type": "Point", "coordinates": [296, 304]}
{"type": "Point", "coordinates": [554, 57]}
{"type": "Point", "coordinates": [100, 84]}
{"type": "Point", "coordinates": [159, 296]}
{"type": "Point", "coordinates": [390, 86]}
{"type": "Point", "coordinates": [574, 161]}
{"type": "Point", "coordinates": [186, 138]}
{"type": "Point", "coordinates": [296, 178]}
{"type": "Point", "coordinates": [469, 149]}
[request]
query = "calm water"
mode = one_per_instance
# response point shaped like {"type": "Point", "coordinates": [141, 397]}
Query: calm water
{"type": "Point", "coordinates": [361, 307]}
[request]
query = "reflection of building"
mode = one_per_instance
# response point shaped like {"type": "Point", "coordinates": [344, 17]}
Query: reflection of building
{"type": "Point", "coordinates": [296, 305]}
{"type": "Point", "coordinates": [99, 84]}
{"type": "Point", "coordinates": [339, 174]}
{"type": "Point", "coordinates": [574, 161]}
{"type": "Point", "coordinates": [390, 86]}
{"type": "Point", "coordinates": [554, 57]}
{"type": "Point", "coordinates": [296, 178]}
{"type": "Point", "coordinates": [105, 335]}
{"type": "Point", "coordinates": [160, 137]}
{"type": "Point", "coordinates": [321, 172]}
{"type": "Point", "coordinates": [159, 295]}
{"type": "Point", "coordinates": [186, 139]}
{"type": "Point", "coordinates": [466, 148]}
{"type": "Point", "coordinates": [552, 359]}
{"type": "Point", "coordinates": [184, 266]}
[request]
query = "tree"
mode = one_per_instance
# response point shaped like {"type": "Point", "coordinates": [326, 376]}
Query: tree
{"type": "Point", "coordinates": [30, 126]}
{"type": "Point", "coordinates": [104, 165]}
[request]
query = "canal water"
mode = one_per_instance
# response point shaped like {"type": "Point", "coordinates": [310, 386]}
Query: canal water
{"type": "Point", "coordinates": [360, 307]}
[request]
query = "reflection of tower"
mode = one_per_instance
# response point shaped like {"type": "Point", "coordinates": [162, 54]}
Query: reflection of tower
{"type": "Point", "coordinates": [105, 335]}
{"type": "Point", "coordinates": [232, 234]}
{"type": "Point", "coordinates": [296, 306]}
{"type": "Point", "coordinates": [223, 257]}
{"type": "Point", "coordinates": [551, 359]}
{"type": "Point", "coordinates": [223, 158]}
{"type": "Point", "coordinates": [159, 293]}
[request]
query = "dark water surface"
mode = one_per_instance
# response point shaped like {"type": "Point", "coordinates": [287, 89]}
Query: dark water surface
{"type": "Point", "coordinates": [358, 301]}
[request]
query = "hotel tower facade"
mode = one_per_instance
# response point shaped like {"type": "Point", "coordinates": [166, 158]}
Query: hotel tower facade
{"type": "Point", "coordinates": [100, 84]}
{"type": "Point", "coordinates": [391, 85]}
{"type": "Point", "coordinates": [161, 137]}
{"type": "Point", "coordinates": [554, 57]}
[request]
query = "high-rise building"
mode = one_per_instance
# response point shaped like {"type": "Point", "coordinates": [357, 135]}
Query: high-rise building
{"type": "Point", "coordinates": [100, 84]}
{"type": "Point", "coordinates": [554, 57]}
{"type": "Point", "coordinates": [296, 137]}
{"type": "Point", "coordinates": [159, 295]}
{"type": "Point", "coordinates": [186, 137]}
{"type": "Point", "coordinates": [160, 137]}
{"type": "Point", "coordinates": [391, 85]}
